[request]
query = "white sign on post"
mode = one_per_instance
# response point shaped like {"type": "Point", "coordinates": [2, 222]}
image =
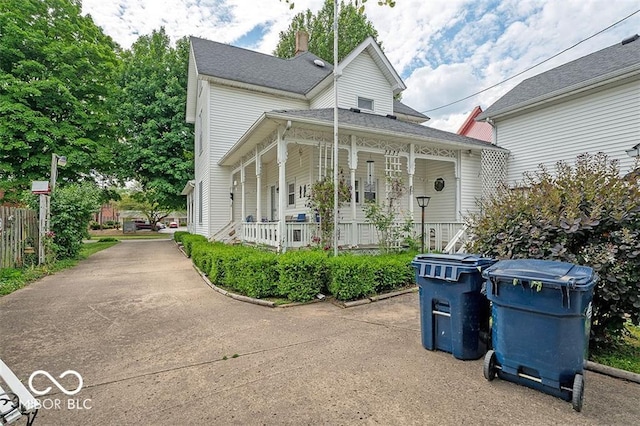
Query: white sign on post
{"type": "Point", "coordinates": [40, 187]}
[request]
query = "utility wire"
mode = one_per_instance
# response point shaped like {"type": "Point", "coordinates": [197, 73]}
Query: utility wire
{"type": "Point", "coordinates": [533, 66]}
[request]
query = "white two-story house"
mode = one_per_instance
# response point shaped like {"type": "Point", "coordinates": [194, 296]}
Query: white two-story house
{"type": "Point", "coordinates": [264, 133]}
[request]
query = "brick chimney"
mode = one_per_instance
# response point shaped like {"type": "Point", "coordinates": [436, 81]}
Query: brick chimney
{"type": "Point", "coordinates": [302, 42]}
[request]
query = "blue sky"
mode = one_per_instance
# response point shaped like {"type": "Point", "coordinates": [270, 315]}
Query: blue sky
{"type": "Point", "coordinates": [443, 49]}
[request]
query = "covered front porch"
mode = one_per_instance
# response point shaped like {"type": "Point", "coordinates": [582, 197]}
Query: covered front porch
{"type": "Point", "coordinates": [274, 166]}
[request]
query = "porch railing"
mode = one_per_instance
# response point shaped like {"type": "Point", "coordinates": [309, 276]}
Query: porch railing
{"type": "Point", "coordinates": [361, 234]}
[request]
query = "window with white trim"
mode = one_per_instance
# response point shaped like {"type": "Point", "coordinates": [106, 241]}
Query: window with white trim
{"type": "Point", "coordinates": [291, 191]}
{"type": "Point", "coordinates": [365, 103]}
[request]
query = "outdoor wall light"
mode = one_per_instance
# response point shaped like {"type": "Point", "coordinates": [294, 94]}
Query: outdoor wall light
{"type": "Point", "coordinates": [423, 202]}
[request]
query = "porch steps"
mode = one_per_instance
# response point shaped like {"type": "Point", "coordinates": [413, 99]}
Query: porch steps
{"type": "Point", "coordinates": [228, 234]}
{"type": "Point", "coordinates": [460, 237]}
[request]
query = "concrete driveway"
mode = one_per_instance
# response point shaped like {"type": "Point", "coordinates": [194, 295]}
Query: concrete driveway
{"type": "Point", "coordinates": [155, 345]}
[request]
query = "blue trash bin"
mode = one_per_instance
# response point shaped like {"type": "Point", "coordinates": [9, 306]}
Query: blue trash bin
{"type": "Point", "coordinates": [454, 314]}
{"type": "Point", "coordinates": [541, 319]}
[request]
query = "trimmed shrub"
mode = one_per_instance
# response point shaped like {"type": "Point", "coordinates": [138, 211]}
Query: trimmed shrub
{"type": "Point", "coordinates": [228, 258]}
{"type": "Point", "coordinates": [256, 274]}
{"type": "Point", "coordinates": [392, 272]}
{"type": "Point", "coordinates": [201, 255]}
{"type": "Point", "coordinates": [189, 240]}
{"type": "Point", "coordinates": [352, 276]}
{"type": "Point", "coordinates": [584, 214]}
{"type": "Point", "coordinates": [303, 274]}
{"type": "Point", "coordinates": [177, 236]}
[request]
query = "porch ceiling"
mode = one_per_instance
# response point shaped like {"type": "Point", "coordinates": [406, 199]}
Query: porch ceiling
{"type": "Point", "coordinates": [351, 123]}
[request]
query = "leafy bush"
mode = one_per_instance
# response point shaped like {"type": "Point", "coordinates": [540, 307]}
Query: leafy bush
{"type": "Point", "coordinates": [177, 236]}
{"type": "Point", "coordinates": [71, 209]}
{"type": "Point", "coordinates": [189, 240]}
{"type": "Point", "coordinates": [352, 276]}
{"type": "Point", "coordinates": [584, 214]}
{"type": "Point", "coordinates": [392, 272]}
{"type": "Point", "coordinates": [256, 274]}
{"type": "Point", "coordinates": [107, 240]}
{"type": "Point", "coordinates": [303, 274]}
{"type": "Point", "coordinates": [93, 225]}
{"type": "Point", "coordinates": [201, 255]}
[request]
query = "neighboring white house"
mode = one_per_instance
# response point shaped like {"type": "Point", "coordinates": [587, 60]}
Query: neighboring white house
{"type": "Point", "coordinates": [589, 105]}
{"type": "Point", "coordinates": [264, 134]}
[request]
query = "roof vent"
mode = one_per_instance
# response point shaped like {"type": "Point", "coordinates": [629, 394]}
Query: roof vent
{"type": "Point", "coordinates": [630, 39]}
{"type": "Point", "coordinates": [354, 109]}
{"type": "Point", "coordinates": [318, 63]}
{"type": "Point", "coordinates": [393, 117]}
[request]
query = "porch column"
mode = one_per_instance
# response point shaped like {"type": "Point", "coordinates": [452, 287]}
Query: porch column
{"type": "Point", "coordinates": [353, 166]}
{"type": "Point", "coordinates": [282, 193]}
{"type": "Point", "coordinates": [259, 186]}
{"type": "Point", "coordinates": [411, 170]}
{"type": "Point", "coordinates": [243, 210]}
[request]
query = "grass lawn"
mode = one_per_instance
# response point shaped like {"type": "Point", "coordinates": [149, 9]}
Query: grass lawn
{"type": "Point", "coordinates": [626, 356]}
{"type": "Point", "coordinates": [12, 279]}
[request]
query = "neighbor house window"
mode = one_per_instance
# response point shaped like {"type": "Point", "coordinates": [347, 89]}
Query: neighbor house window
{"type": "Point", "coordinates": [200, 203]}
{"type": "Point", "coordinates": [364, 103]}
{"type": "Point", "coordinates": [292, 193]}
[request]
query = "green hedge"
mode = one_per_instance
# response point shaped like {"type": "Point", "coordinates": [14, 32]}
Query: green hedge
{"type": "Point", "coordinates": [177, 236]}
{"type": "Point", "coordinates": [190, 239]}
{"type": "Point", "coordinates": [257, 275]}
{"type": "Point", "coordinates": [297, 275]}
{"type": "Point", "coordinates": [352, 277]}
{"type": "Point", "coordinates": [392, 272]}
{"type": "Point", "coordinates": [303, 274]}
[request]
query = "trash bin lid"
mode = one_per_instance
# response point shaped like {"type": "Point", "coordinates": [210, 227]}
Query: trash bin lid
{"type": "Point", "coordinates": [462, 259]}
{"type": "Point", "coordinates": [550, 272]}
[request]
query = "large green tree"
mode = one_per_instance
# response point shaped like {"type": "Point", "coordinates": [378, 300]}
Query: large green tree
{"type": "Point", "coordinates": [57, 71]}
{"type": "Point", "coordinates": [156, 144]}
{"type": "Point", "coordinates": [354, 28]}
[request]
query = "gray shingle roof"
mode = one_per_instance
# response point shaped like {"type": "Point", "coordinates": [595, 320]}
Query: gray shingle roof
{"type": "Point", "coordinates": [372, 122]}
{"type": "Point", "coordinates": [297, 75]}
{"type": "Point", "coordinates": [400, 108]}
{"type": "Point", "coordinates": [606, 63]}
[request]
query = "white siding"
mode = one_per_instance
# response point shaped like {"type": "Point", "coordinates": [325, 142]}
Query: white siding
{"type": "Point", "coordinates": [442, 206]}
{"type": "Point", "coordinates": [471, 183]}
{"type": "Point", "coordinates": [202, 160]}
{"type": "Point", "coordinates": [232, 112]}
{"type": "Point", "coordinates": [324, 99]}
{"type": "Point", "coordinates": [607, 121]}
{"type": "Point", "coordinates": [363, 78]}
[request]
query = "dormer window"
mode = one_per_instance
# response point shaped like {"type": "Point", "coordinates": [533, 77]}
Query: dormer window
{"type": "Point", "coordinates": [364, 103]}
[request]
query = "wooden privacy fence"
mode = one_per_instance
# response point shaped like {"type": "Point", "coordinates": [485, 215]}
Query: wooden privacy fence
{"type": "Point", "coordinates": [18, 237]}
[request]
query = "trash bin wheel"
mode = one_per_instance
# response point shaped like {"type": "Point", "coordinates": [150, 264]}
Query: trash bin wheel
{"type": "Point", "coordinates": [578, 392]}
{"type": "Point", "coordinates": [489, 367]}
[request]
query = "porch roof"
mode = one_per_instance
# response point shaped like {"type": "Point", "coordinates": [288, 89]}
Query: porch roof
{"type": "Point", "coordinates": [351, 122]}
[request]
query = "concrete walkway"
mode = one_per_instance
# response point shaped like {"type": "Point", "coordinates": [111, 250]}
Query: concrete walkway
{"type": "Point", "coordinates": [150, 339]}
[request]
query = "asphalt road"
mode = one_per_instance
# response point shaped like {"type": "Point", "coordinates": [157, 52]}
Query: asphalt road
{"type": "Point", "coordinates": [155, 345]}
